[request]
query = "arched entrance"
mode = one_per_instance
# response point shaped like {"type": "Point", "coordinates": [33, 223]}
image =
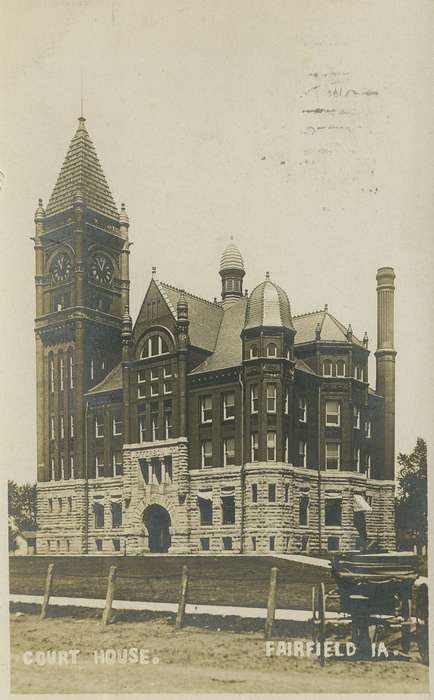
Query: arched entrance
{"type": "Point", "coordinates": [157, 522]}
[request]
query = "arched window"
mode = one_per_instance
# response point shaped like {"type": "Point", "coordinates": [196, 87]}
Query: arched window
{"type": "Point", "coordinates": [271, 350]}
{"type": "Point", "coordinates": [253, 351]}
{"type": "Point", "coordinates": [154, 345]}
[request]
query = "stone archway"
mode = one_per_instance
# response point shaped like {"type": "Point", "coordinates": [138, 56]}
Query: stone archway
{"type": "Point", "coordinates": [158, 523]}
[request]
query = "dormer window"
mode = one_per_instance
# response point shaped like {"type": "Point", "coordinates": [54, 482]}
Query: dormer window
{"type": "Point", "coordinates": [253, 351]}
{"type": "Point", "coordinates": [271, 350]}
{"type": "Point", "coordinates": [154, 345]}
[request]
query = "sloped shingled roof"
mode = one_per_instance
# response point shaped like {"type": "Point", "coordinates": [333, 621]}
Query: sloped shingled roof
{"type": "Point", "coordinates": [268, 306]}
{"type": "Point", "coordinates": [228, 351]}
{"type": "Point", "coordinates": [82, 172]}
{"type": "Point", "coordinates": [205, 317]}
{"type": "Point", "coordinates": [112, 382]}
{"type": "Point", "coordinates": [332, 330]}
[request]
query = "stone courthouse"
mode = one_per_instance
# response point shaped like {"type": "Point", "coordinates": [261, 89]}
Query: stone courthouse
{"type": "Point", "coordinates": [205, 426]}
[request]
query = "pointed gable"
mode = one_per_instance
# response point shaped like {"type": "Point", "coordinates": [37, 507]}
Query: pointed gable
{"type": "Point", "coordinates": [332, 330]}
{"type": "Point", "coordinates": [82, 172]}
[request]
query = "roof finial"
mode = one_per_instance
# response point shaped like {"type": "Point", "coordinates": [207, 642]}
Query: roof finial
{"type": "Point", "coordinates": [326, 307]}
{"type": "Point", "coordinates": [267, 275]}
{"type": "Point", "coordinates": [318, 332]}
{"type": "Point", "coordinates": [154, 271]}
{"type": "Point", "coordinates": [365, 340]}
{"type": "Point", "coordinates": [81, 93]}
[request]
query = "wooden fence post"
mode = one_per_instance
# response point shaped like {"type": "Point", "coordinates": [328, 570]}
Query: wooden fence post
{"type": "Point", "coordinates": [46, 598]}
{"type": "Point", "coordinates": [271, 605]}
{"type": "Point", "coordinates": [109, 597]}
{"type": "Point", "coordinates": [182, 598]}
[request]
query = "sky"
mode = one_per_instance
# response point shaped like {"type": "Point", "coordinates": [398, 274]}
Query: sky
{"type": "Point", "coordinates": [302, 129]}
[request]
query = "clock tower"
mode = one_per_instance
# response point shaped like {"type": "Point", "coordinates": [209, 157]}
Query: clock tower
{"type": "Point", "coordinates": [82, 289]}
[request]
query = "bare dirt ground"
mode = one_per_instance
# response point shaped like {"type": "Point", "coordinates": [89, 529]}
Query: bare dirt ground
{"type": "Point", "coordinates": [190, 660]}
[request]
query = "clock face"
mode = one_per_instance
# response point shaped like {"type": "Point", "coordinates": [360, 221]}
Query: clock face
{"type": "Point", "coordinates": [101, 269]}
{"type": "Point", "coordinates": [61, 268]}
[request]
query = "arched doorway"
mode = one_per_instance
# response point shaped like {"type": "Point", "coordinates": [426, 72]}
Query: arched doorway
{"type": "Point", "coordinates": [157, 522]}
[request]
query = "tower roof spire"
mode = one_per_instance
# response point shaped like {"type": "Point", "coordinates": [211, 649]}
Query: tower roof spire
{"type": "Point", "coordinates": [82, 172]}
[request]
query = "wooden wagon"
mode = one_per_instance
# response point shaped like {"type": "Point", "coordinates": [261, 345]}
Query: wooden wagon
{"type": "Point", "coordinates": [373, 591]}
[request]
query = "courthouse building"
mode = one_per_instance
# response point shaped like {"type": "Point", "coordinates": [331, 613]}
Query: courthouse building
{"type": "Point", "coordinates": [204, 426]}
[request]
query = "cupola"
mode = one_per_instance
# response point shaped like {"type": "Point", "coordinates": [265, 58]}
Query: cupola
{"type": "Point", "coordinates": [269, 307]}
{"type": "Point", "coordinates": [232, 273]}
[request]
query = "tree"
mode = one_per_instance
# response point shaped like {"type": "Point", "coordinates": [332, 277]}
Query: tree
{"type": "Point", "coordinates": [22, 505]}
{"type": "Point", "coordinates": [412, 498]}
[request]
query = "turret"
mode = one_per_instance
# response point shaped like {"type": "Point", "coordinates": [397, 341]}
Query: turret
{"type": "Point", "coordinates": [232, 273]}
{"type": "Point", "coordinates": [385, 356]}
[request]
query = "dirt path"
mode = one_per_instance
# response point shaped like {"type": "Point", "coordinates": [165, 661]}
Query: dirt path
{"type": "Point", "coordinates": [190, 660]}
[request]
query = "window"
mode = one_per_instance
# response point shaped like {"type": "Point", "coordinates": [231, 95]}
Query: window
{"type": "Point", "coordinates": [333, 455]}
{"type": "Point", "coordinates": [271, 398]}
{"type": "Point", "coordinates": [227, 543]}
{"type": "Point", "coordinates": [72, 466]}
{"type": "Point", "coordinates": [333, 510]}
{"type": "Point", "coordinates": [204, 503]}
{"type": "Point", "coordinates": [154, 424]}
{"type": "Point", "coordinates": [155, 384]}
{"type": "Point", "coordinates": [116, 544]}
{"type": "Point", "coordinates": [333, 544]}
{"type": "Point", "coordinates": [254, 543]}
{"type": "Point", "coordinates": [168, 420]}
{"type": "Point", "coordinates": [356, 417]}
{"type": "Point", "coordinates": [68, 545]}
{"type": "Point", "coordinates": [52, 428]}
{"type": "Point", "coordinates": [91, 369]}
{"type": "Point", "coordinates": [167, 371]}
{"type": "Point", "coordinates": [117, 423]}
{"type": "Point", "coordinates": [62, 427]}
{"type": "Point", "coordinates": [51, 370]}
{"type": "Point", "coordinates": [272, 542]}
{"type": "Point", "coordinates": [155, 345]}
{"type": "Point", "coordinates": [333, 413]}
{"type": "Point", "coordinates": [207, 453]}
{"type": "Point", "coordinates": [302, 410]}
{"type": "Point", "coordinates": [206, 409]}
{"type": "Point", "coordinates": [302, 453]}
{"type": "Point", "coordinates": [303, 509]}
{"type": "Point", "coordinates": [254, 447]}
{"type": "Point", "coordinates": [71, 426]}
{"type": "Point", "coordinates": [254, 398]}
{"type": "Point", "coordinates": [99, 426]}
{"type": "Point", "coordinates": [99, 466]}
{"type": "Point", "coordinates": [98, 509]}
{"type": "Point", "coordinates": [141, 382]}
{"type": "Point", "coordinates": [272, 493]}
{"type": "Point", "coordinates": [271, 350]}
{"type": "Point", "coordinates": [327, 368]}
{"type": "Point", "coordinates": [286, 493]}
{"type": "Point", "coordinates": [62, 467]}
{"type": "Point", "coordinates": [117, 463]}
{"type": "Point", "coordinates": [254, 493]}
{"type": "Point", "coordinates": [229, 406]}
{"type": "Point", "coordinates": [142, 429]}
{"type": "Point", "coordinates": [356, 458]}
{"type": "Point", "coordinates": [50, 505]}
{"type": "Point", "coordinates": [368, 428]}
{"type": "Point", "coordinates": [271, 446]}
{"type": "Point", "coordinates": [168, 470]}
{"type": "Point", "coordinates": [340, 368]}
{"type": "Point", "coordinates": [228, 510]}
{"type": "Point", "coordinates": [368, 466]}
{"type": "Point", "coordinates": [71, 372]}
{"type": "Point", "coordinates": [286, 450]}
{"type": "Point", "coordinates": [98, 544]}
{"type": "Point", "coordinates": [253, 351]}
{"type": "Point", "coordinates": [69, 504]}
{"type": "Point", "coordinates": [204, 544]}
{"type": "Point", "coordinates": [286, 403]}
{"type": "Point", "coordinates": [144, 468]}
{"type": "Point", "coordinates": [116, 507]}
{"type": "Point", "coordinates": [167, 387]}
{"type": "Point", "coordinates": [62, 373]}
{"type": "Point", "coordinates": [228, 451]}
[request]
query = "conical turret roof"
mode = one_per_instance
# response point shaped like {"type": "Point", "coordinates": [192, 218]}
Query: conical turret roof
{"type": "Point", "coordinates": [82, 173]}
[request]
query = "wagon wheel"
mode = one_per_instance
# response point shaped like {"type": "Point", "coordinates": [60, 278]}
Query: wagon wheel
{"type": "Point", "coordinates": [422, 623]}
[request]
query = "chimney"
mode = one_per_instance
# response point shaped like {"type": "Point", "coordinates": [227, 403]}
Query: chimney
{"type": "Point", "coordinates": [385, 357]}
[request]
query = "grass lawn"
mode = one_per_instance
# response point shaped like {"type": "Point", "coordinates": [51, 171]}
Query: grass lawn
{"type": "Point", "coordinates": [190, 660]}
{"type": "Point", "coordinates": [226, 580]}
